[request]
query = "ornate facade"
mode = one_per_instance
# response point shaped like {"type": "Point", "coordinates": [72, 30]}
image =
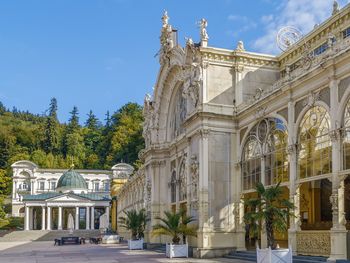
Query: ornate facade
{"type": "Point", "coordinates": [221, 120]}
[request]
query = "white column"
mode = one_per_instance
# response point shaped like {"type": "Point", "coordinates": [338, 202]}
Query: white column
{"type": "Point", "coordinates": [87, 222]}
{"type": "Point", "coordinates": [59, 218]}
{"type": "Point", "coordinates": [107, 212]}
{"type": "Point", "coordinates": [77, 217]}
{"type": "Point", "coordinates": [92, 217]}
{"type": "Point", "coordinates": [48, 218]}
{"type": "Point", "coordinates": [14, 190]}
{"type": "Point", "coordinates": [43, 216]}
{"type": "Point", "coordinates": [16, 186]}
{"type": "Point", "coordinates": [26, 218]}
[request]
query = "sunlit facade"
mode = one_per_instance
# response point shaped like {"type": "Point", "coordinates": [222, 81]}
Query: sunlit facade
{"type": "Point", "coordinates": [244, 118]}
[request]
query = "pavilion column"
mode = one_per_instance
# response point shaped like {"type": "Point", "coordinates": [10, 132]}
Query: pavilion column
{"type": "Point", "coordinates": [338, 231]}
{"type": "Point", "coordinates": [107, 213]}
{"type": "Point", "coordinates": [26, 218]}
{"type": "Point", "coordinates": [87, 217]}
{"type": "Point", "coordinates": [77, 217]}
{"type": "Point", "coordinates": [48, 218]}
{"type": "Point", "coordinates": [43, 216]}
{"type": "Point", "coordinates": [92, 217]}
{"type": "Point", "coordinates": [59, 218]}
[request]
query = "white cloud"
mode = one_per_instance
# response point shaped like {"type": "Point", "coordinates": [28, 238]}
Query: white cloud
{"type": "Point", "coordinates": [244, 22]}
{"type": "Point", "coordinates": [238, 18]}
{"type": "Point", "coordinates": [295, 13]}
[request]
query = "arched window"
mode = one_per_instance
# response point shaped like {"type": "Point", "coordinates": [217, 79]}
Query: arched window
{"type": "Point", "coordinates": [276, 158]}
{"type": "Point", "coordinates": [251, 163]}
{"type": "Point", "coordinates": [315, 151]}
{"type": "Point", "coordinates": [346, 137]}
{"type": "Point", "coordinates": [173, 187]}
{"type": "Point", "coordinates": [269, 139]}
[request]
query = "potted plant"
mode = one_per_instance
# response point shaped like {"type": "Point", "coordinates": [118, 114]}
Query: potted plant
{"type": "Point", "coordinates": [176, 226]}
{"type": "Point", "coordinates": [134, 221]}
{"type": "Point", "coordinates": [271, 208]}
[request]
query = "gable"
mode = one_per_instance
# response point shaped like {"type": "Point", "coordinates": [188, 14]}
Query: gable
{"type": "Point", "coordinates": [67, 198]}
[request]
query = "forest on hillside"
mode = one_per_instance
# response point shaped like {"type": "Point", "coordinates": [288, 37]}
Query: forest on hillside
{"type": "Point", "coordinates": [44, 140]}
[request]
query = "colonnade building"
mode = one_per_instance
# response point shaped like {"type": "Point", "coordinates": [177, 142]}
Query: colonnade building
{"type": "Point", "coordinates": [221, 120]}
{"type": "Point", "coordinates": [46, 197]}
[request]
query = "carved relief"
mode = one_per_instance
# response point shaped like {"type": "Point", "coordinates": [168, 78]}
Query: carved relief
{"type": "Point", "coordinates": [194, 177]}
{"type": "Point", "coordinates": [183, 180]}
{"type": "Point", "coordinates": [314, 243]}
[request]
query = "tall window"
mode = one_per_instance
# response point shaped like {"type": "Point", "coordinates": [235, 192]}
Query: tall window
{"type": "Point", "coordinates": [276, 158]}
{"type": "Point", "coordinates": [52, 185]}
{"type": "Point", "coordinates": [346, 137]}
{"type": "Point", "coordinates": [269, 139]}
{"type": "Point", "coordinates": [251, 163]}
{"type": "Point", "coordinates": [315, 150]}
{"type": "Point", "coordinates": [96, 186]}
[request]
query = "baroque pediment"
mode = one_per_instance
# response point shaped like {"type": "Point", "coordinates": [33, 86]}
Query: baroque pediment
{"type": "Point", "coordinates": [67, 198]}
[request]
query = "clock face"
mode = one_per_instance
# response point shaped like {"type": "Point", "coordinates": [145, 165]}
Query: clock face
{"type": "Point", "coordinates": [287, 36]}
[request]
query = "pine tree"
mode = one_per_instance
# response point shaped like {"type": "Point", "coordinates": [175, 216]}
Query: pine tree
{"type": "Point", "coordinates": [73, 124]}
{"type": "Point", "coordinates": [51, 129]}
{"type": "Point", "coordinates": [92, 138]}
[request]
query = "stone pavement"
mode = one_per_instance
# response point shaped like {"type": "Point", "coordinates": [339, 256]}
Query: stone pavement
{"type": "Point", "coordinates": [45, 252]}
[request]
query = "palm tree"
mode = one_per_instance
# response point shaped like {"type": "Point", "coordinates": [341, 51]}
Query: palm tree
{"type": "Point", "coordinates": [175, 225]}
{"type": "Point", "coordinates": [271, 207]}
{"type": "Point", "coordinates": [135, 221]}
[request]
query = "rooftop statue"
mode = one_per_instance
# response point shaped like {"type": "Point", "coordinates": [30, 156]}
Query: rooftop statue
{"type": "Point", "coordinates": [335, 7]}
{"type": "Point", "coordinates": [203, 23]}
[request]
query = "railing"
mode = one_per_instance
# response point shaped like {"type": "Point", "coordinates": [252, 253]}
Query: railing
{"type": "Point", "coordinates": [308, 63]}
{"type": "Point", "coordinates": [314, 243]}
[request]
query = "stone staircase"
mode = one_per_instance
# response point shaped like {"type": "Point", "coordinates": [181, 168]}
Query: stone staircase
{"type": "Point", "coordinates": [45, 235]}
{"type": "Point", "coordinates": [251, 256]}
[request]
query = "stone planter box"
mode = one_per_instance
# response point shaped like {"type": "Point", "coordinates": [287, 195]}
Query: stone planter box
{"type": "Point", "coordinates": [268, 255]}
{"type": "Point", "coordinates": [110, 239]}
{"type": "Point", "coordinates": [176, 251]}
{"type": "Point", "coordinates": [135, 244]}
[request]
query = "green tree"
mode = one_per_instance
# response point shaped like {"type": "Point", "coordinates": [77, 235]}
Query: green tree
{"type": "Point", "coordinates": [51, 141]}
{"type": "Point", "coordinates": [92, 136]}
{"type": "Point", "coordinates": [126, 139]}
{"type": "Point", "coordinates": [5, 183]}
{"type": "Point", "coordinates": [269, 207]}
{"type": "Point", "coordinates": [175, 225]}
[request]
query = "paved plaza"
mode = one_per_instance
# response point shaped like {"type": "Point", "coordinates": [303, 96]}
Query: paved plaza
{"type": "Point", "coordinates": [44, 251]}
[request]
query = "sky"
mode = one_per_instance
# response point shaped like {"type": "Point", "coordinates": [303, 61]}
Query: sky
{"type": "Point", "coordinates": [100, 54]}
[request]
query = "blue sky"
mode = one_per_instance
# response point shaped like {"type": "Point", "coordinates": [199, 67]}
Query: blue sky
{"type": "Point", "coordinates": [99, 54]}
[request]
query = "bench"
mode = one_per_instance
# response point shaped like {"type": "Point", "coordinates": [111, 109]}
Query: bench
{"type": "Point", "coordinates": [95, 240]}
{"type": "Point", "coordinates": [70, 240]}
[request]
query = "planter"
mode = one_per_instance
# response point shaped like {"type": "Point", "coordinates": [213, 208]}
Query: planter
{"type": "Point", "coordinates": [110, 239]}
{"type": "Point", "coordinates": [268, 255]}
{"type": "Point", "coordinates": [135, 244]}
{"type": "Point", "coordinates": [176, 251]}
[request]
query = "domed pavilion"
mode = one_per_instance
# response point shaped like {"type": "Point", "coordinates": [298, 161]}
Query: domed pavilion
{"type": "Point", "coordinates": [71, 196]}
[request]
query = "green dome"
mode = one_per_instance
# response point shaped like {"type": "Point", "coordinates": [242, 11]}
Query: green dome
{"type": "Point", "coordinates": [71, 180]}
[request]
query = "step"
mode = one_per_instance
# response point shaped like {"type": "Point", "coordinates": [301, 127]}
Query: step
{"type": "Point", "coordinates": [240, 257]}
{"type": "Point", "coordinates": [312, 258]}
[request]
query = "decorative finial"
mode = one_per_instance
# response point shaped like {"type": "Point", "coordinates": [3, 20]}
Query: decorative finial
{"type": "Point", "coordinates": [166, 35]}
{"type": "Point", "coordinates": [203, 23]}
{"type": "Point", "coordinates": [165, 18]}
{"type": "Point", "coordinates": [335, 7]}
{"type": "Point", "coordinates": [240, 46]}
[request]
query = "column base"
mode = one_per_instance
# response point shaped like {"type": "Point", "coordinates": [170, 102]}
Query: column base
{"type": "Point", "coordinates": [338, 245]}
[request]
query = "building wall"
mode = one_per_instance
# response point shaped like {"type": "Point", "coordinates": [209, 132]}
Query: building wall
{"type": "Point", "coordinates": [28, 179]}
